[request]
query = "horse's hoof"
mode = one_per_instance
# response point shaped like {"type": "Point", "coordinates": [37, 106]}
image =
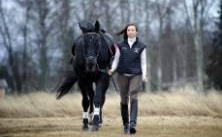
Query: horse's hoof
{"type": "Point", "coordinates": [90, 118]}
{"type": "Point", "coordinates": [96, 120]}
{"type": "Point", "coordinates": [85, 128]}
{"type": "Point", "coordinates": [95, 128]}
{"type": "Point", "coordinates": [100, 125]}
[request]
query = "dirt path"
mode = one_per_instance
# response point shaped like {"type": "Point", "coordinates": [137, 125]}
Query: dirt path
{"type": "Point", "coordinates": [155, 126]}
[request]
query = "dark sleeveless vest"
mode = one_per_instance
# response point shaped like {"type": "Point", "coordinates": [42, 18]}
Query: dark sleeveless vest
{"type": "Point", "coordinates": [130, 61]}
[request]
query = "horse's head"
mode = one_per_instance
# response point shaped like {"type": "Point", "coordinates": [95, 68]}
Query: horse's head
{"type": "Point", "coordinates": [92, 44]}
{"type": "Point", "coordinates": [90, 47]}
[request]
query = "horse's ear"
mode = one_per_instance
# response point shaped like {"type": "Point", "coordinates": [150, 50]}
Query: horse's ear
{"type": "Point", "coordinates": [97, 26]}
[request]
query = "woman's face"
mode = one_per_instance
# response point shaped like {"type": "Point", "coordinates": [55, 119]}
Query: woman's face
{"type": "Point", "coordinates": [131, 31]}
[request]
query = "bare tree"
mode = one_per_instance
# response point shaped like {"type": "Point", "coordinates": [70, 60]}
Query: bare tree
{"type": "Point", "coordinates": [41, 13]}
{"type": "Point", "coordinates": [125, 11]}
{"type": "Point", "coordinates": [161, 8]}
{"type": "Point", "coordinates": [65, 32]}
{"type": "Point", "coordinates": [175, 50]}
{"type": "Point", "coordinates": [91, 9]}
{"type": "Point", "coordinates": [26, 57]}
{"type": "Point", "coordinates": [196, 24]}
{"type": "Point", "coordinates": [7, 41]}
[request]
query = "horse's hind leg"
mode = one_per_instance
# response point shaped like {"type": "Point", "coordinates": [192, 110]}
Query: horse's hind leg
{"type": "Point", "coordinates": [85, 105]}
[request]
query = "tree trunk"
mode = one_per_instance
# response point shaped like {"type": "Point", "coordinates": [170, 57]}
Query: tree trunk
{"type": "Point", "coordinates": [11, 55]}
{"type": "Point", "coordinates": [198, 44]}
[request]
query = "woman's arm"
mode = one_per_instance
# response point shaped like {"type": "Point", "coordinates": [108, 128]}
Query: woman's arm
{"type": "Point", "coordinates": [115, 61]}
{"type": "Point", "coordinates": [144, 65]}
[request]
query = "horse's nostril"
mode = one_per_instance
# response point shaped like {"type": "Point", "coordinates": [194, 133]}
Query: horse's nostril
{"type": "Point", "coordinates": [91, 59]}
{"type": "Point", "coordinates": [91, 63]}
{"type": "Point", "coordinates": [91, 67]}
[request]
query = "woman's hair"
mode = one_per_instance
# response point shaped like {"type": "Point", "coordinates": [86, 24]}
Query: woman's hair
{"type": "Point", "coordinates": [124, 31]}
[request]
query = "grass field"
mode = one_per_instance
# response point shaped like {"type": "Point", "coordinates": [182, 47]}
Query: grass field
{"type": "Point", "coordinates": [148, 126]}
{"type": "Point", "coordinates": [180, 113]}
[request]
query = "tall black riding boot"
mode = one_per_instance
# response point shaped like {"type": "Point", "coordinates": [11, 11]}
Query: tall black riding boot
{"type": "Point", "coordinates": [133, 115]}
{"type": "Point", "coordinates": [125, 117]}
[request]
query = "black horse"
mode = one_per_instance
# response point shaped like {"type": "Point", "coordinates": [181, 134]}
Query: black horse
{"type": "Point", "coordinates": [93, 52]}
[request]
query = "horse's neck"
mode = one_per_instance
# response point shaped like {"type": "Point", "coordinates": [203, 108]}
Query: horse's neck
{"type": "Point", "coordinates": [104, 59]}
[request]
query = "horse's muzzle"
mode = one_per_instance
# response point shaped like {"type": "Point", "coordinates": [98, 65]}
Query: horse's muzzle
{"type": "Point", "coordinates": [91, 64]}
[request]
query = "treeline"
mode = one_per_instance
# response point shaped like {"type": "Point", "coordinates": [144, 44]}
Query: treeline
{"type": "Point", "coordinates": [36, 37]}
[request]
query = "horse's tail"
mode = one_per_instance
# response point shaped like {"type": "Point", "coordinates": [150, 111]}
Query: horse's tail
{"type": "Point", "coordinates": [66, 86]}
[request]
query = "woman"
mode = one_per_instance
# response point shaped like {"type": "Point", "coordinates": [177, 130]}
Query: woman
{"type": "Point", "coordinates": [130, 63]}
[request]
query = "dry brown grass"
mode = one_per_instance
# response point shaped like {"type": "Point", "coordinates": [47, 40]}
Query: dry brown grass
{"type": "Point", "coordinates": [182, 103]}
{"type": "Point", "coordinates": [179, 113]}
{"type": "Point", "coordinates": [148, 126]}
{"type": "Point", "coordinates": [174, 103]}
{"type": "Point", "coordinates": [2, 92]}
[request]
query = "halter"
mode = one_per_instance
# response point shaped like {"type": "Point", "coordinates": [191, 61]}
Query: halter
{"type": "Point", "coordinates": [90, 40]}
{"type": "Point", "coordinates": [102, 38]}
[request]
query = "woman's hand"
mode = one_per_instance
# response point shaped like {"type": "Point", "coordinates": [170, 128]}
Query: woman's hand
{"type": "Point", "coordinates": [110, 72]}
{"type": "Point", "coordinates": [144, 79]}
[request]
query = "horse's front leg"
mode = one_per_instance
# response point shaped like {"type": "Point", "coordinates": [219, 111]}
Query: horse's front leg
{"type": "Point", "coordinates": [84, 87]}
{"type": "Point", "coordinates": [91, 104]}
{"type": "Point", "coordinates": [101, 106]}
{"type": "Point", "coordinates": [99, 99]}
